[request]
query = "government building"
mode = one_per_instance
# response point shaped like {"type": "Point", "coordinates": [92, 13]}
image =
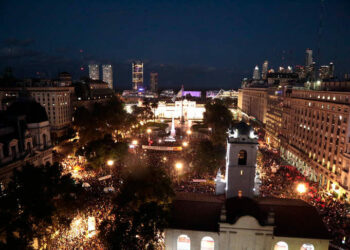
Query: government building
{"type": "Point", "coordinates": [235, 218]}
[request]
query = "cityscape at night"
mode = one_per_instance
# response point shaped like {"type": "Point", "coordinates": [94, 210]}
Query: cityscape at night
{"type": "Point", "coordinates": [177, 125]}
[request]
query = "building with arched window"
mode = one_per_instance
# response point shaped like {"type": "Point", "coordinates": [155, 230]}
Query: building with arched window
{"type": "Point", "coordinates": [235, 218]}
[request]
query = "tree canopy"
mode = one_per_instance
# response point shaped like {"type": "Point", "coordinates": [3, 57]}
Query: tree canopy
{"type": "Point", "coordinates": [36, 201]}
{"type": "Point", "coordinates": [141, 209]}
{"type": "Point", "coordinates": [218, 118]}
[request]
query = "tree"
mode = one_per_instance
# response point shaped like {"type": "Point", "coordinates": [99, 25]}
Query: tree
{"type": "Point", "coordinates": [36, 202]}
{"type": "Point", "coordinates": [154, 105]}
{"type": "Point", "coordinates": [98, 152]}
{"type": "Point", "coordinates": [205, 157]}
{"type": "Point", "coordinates": [141, 210]}
{"type": "Point", "coordinates": [218, 118]}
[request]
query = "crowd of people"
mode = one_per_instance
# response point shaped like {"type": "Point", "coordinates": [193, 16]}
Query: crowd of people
{"type": "Point", "coordinates": [97, 205]}
{"type": "Point", "coordinates": [281, 181]}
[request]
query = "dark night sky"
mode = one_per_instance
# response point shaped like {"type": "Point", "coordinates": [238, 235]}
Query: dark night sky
{"type": "Point", "coordinates": [207, 44]}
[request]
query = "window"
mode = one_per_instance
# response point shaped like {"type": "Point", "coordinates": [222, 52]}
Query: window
{"type": "Point", "coordinates": [183, 242]}
{"type": "Point", "coordinates": [307, 247]}
{"type": "Point", "coordinates": [281, 245]}
{"type": "Point", "coordinates": [242, 157]}
{"type": "Point", "coordinates": [207, 243]}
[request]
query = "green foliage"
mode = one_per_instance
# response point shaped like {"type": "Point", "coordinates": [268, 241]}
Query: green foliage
{"type": "Point", "coordinates": [142, 113]}
{"type": "Point", "coordinates": [36, 202]}
{"type": "Point", "coordinates": [141, 210]}
{"type": "Point", "coordinates": [103, 119]}
{"type": "Point", "coordinates": [205, 157]}
{"type": "Point", "coordinates": [219, 118]}
{"type": "Point", "coordinates": [98, 152]}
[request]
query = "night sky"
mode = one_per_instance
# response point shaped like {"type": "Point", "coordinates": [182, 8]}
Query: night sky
{"type": "Point", "coordinates": [201, 44]}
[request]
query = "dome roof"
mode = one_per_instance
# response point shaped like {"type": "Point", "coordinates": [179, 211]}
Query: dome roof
{"type": "Point", "coordinates": [243, 128]}
{"type": "Point", "coordinates": [33, 111]}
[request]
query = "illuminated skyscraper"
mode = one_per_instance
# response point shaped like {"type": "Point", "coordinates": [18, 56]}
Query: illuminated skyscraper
{"type": "Point", "coordinates": [308, 59]}
{"type": "Point", "coordinates": [265, 68]}
{"type": "Point", "coordinates": [137, 75]}
{"type": "Point", "coordinates": [94, 72]}
{"type": "Point", "coordinates": [256, 73]}
{"type": "Point", "coordinates": [331, 70]}
{"type": "Point", "coordinates": [107, 75]}
{"type": "Point", "coordinates": [154, 81]}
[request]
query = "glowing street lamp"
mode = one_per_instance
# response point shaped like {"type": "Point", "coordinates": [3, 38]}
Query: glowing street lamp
{"type": "Point", "coordinates": [134, 142]}
{"type": "Point", "coordinates": [178, 165]}
{"type": "Point", "coordinates": [110, 163]}
{"type": "Point", "coordinates": [189, 132]}
{"type": "Point", "coordinates": [301, 188]}
{"type": "Point", "coordinates": [149, 131]}
{"type": "Point", "coordinates": [185, 144]}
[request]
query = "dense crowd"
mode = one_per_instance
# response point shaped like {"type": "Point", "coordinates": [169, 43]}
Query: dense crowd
{"type": "Point", "coordinates": [280, 180]}
{"type": "Point", "coordinates": [98, 205]}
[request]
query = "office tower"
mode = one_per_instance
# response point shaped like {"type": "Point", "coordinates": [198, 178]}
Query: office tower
{"type": "Point", "coordinates": [94, 73]}
{"type": "Point", "coordinates": [323, 72]}
{"type": "Point", "coordinates": [256, 73]}
{"type": "Point", "coordinates": [107, 75]}
{"type": "Point", "coordinates": [308, 59]}
{"type": "Point", "coordinates": [265, 69]}
{"type": "Point", "coordinates": [331, 70]}
{"type": "Point", "coordinates": [137, 75]}
{"type": "Point", "coordinates": [154, 81]}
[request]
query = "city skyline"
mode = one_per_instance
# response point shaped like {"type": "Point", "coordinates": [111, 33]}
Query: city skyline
{"type": "Point", "coordinates": [218, 51]}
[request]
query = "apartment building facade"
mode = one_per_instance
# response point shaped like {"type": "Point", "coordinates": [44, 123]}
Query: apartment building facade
{"type": "Point", "coordinates": [254, 103]}
{"type": "Point", "coordinates": [316, 137]}
{"type": "Point", "coordinates": [57, 102]}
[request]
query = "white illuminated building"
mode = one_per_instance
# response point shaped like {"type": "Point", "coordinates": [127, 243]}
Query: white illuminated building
{"type": "Point", "coordinates": [107, 75]}
{"type": "Point", "coordinates": [256, 73]}
{"type": "Point", "coordinates": [190, 110]}
{"type": "Point", "coordinates": [94, 72]}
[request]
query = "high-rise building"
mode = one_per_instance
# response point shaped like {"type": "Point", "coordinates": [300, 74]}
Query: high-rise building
{"type": "Point", "coordinates": [94, 72]}
{"type": "Point", "coordinates": [154, 81]}
{"type": "Point", "coordinates": [107, 75]}
{"type": "Point", "coordinates": [137, 75]}
{"type": "Point", "coordinates": [308, 59]}
{"type": "Point", "coordinates": [265, 68]}
{"type": "Point", "coordinates": [256, 73]}
{"type": "Point", "coordinates": [331, 70]}
{"type": "Point", "coordinates": [324, 72]}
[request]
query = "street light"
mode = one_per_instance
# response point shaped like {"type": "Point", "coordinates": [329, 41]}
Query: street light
{"type": "Point", "coordinates": [189, 132]}
{"type": "Point", "coordinates": [301, 188]}
{"type": "Point", "coordinates": [178, 165]}
{"type": "Point", "coordinates": [149, 131]}
{"type": "Point", "coordinates": [185, 144]}
{"type": "Point", "coordinates": [134, 142]}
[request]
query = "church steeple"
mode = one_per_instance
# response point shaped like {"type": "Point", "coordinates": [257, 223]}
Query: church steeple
{"type": "Point", "coordinates": [241, 161]}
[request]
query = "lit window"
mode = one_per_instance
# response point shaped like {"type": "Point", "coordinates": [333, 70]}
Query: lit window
{"type": "Point", "coordinates": [307, 247]}
{"type": "Point", "coordinates": [281, 245]}
{"type": "Point", "coordinates": [183, 242]}
{"type": "Point", "coordinates": [207, 243]}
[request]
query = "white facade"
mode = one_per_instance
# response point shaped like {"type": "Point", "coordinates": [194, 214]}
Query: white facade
{"type": "Point", "coordinates": [107, 75]}
{"type": "Point", "coordinates": [190, 110]}
{"type": "Point", "coordinates": [246, 233]}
